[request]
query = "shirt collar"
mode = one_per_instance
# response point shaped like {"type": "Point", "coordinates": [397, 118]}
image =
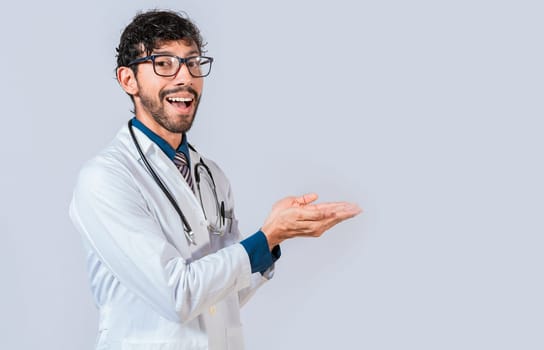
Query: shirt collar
{"type": "Point", "coordinates": [163, 145]}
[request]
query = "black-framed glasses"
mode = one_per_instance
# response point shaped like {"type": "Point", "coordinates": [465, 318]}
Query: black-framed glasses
{"type": "Point", "coordinates": [169, 65]}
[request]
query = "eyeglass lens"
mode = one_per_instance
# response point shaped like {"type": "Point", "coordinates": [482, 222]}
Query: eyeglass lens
{"type": "Point", "coordinates": [169, 65]}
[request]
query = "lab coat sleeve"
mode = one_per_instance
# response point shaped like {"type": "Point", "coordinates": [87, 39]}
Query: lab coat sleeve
{"type": "Point", "coordinates": [257, 279]}
{"type": "Point", "coordinates": [109, 210]}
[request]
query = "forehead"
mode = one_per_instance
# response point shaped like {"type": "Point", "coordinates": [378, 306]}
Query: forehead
{"type": "Point", "coordinates": [177, 47]}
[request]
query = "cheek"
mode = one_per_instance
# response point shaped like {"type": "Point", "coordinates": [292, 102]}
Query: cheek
{"type": "Point", "coordinates": [198, 84]}
{"type": "Point", "coordinates": [149, 90]}
{"type": "Point", "coordinates": [146, 84]}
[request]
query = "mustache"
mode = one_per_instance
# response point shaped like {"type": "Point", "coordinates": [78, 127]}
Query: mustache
{"type": "Point", "coordinates": [188, 89]}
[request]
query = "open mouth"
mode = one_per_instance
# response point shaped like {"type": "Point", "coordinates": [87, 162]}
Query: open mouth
{"type": "Point", "coordinates": [181, 102]}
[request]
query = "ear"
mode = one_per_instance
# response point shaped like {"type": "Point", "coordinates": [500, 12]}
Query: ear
{"type": "Point", "coordinates": [127, 79]}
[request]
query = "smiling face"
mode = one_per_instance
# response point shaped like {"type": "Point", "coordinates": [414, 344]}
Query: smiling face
{"type": "Point", "coordinates": [166, 105]}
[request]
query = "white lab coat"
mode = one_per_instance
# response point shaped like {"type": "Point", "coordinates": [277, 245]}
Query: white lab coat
{"type": "Point", "coordinates": [153, 289]}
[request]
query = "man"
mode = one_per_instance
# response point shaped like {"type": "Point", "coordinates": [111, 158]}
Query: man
{"type": "Point", "coordinates": [168, 267]}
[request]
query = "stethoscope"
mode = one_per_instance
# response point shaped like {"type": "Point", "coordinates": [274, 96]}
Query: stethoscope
{"type": "Point", "coordinates": [219, 207]}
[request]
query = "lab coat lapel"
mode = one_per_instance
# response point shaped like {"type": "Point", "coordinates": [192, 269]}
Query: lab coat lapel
{"type": "Point", "coordinates": [182, 193]}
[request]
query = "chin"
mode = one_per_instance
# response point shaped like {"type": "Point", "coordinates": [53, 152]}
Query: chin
{"type": "Point", "coordinates": [183, 126]}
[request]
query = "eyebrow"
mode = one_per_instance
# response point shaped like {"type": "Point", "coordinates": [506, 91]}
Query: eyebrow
{"type": "Point", "coordinates": [160, 52]}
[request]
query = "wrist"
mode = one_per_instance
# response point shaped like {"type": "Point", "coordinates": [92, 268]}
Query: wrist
{"type": "Point", "coordinates": [271, 238]}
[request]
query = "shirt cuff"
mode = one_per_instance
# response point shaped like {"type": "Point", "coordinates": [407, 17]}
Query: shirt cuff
{"type": "Point", "coordinates": [260, 256]}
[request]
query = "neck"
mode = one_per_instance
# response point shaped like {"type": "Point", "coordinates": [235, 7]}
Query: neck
{"type": "Point", "coordinates": [174, 140]}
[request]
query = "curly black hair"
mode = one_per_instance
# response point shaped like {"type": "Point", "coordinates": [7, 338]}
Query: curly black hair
{"type": "Point", "coordinates": [148, 30]}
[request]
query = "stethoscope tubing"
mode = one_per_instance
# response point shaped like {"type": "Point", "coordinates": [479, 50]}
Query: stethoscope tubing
{"type": "Point", "coordinates": [220, 207]}
{"type": "Point", "coordinates": [187, 229]}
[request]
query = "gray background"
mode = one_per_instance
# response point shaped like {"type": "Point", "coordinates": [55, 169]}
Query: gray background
{"type": "Point", "coordinates": [426, 113]}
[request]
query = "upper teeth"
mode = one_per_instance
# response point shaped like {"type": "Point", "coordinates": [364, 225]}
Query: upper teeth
{"type": "Point", "coordinates": [180, 99]}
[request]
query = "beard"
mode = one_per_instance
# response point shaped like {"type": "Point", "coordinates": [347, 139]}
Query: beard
{"type": "Point", "coordinates": [174, 124]}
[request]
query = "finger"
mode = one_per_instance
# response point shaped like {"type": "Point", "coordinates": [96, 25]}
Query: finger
{"type": "Point", "coordinates": [340, 217]}
{"type": "Point", "coordinates": [349, 210]}
{"type": "Point", "coordinates": [315, 228]}
{"type": "Point", "coordinates": [306, 198]}
{"type": "Point", "coordinates": [311, 214]}
{"type": "Point", "coordinates": [329, 219]}
{"type": "Point", "coordinates": [328, 205]}
{"type": "Point", "coordinates": [308, 228]}
{"type": "Point", "coordinates": [335, 205]}
{"type": "Point", "coordinates": [340, 210]}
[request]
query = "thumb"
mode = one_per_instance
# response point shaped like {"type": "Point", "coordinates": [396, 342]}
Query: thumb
{"type": "Point", "coordinates": [306, 198]}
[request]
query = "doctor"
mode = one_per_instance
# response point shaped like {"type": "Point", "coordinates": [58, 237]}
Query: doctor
{"type": "Point", "coordinates": [168, 267]}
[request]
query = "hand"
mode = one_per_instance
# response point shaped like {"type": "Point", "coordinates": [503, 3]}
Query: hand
{"type": "Point", "coordinates": [297, 216]}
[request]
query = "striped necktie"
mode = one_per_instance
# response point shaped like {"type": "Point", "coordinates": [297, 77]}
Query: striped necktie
{"type": "Point", "coordinates": [181, 163]}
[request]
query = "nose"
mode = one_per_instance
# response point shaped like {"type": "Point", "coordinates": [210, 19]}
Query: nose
{"type": "Point", "coordinates": [183, 77]}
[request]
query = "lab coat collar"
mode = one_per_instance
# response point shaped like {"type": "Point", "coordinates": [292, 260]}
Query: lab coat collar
{"type": "Point", "coordinates": [146, 144]}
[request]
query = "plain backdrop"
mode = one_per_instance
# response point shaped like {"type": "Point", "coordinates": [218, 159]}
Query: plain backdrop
{"type": "Point", "coordinates": [428, 114]}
